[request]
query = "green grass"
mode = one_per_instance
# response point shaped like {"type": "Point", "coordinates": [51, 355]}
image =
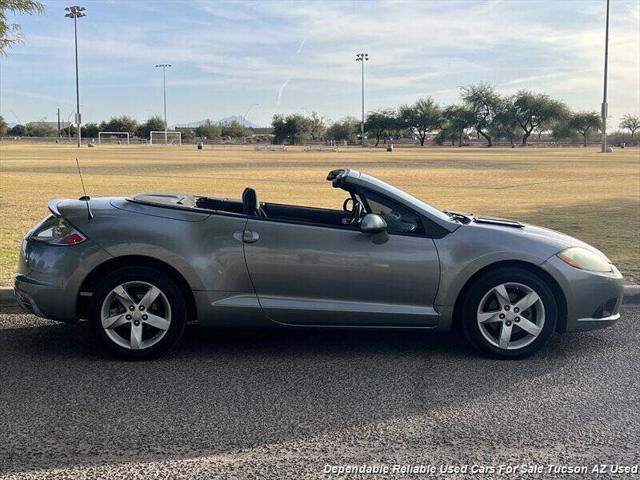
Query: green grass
{"type": "Point", "coordinates": [581, 192]}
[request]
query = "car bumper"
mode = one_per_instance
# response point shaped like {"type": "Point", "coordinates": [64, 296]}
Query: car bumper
{"type": "Point", "coordinates": [29, 294]}
{"type": "Point", "coordinates": [49, 277]}
{"type": "Point", "coordinates": [593, 299]}
{"type": "Point", "coordinates": [595, 323]}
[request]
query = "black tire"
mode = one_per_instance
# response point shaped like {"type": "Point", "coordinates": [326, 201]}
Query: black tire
{"type": "Point", "coordinates": [172, 294]}
{"type": "Point", "coordinates": [483, 285]}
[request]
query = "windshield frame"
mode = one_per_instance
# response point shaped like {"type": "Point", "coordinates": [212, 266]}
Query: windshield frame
{"type": "Point", "coordinates": [357, 179]}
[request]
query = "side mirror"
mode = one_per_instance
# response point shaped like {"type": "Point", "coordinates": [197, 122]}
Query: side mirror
{"type": "Point", "coordinates": [372, 223]}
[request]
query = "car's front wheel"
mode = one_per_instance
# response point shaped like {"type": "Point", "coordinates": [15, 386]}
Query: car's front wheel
{"type": "Point", "coordinates": [509, 313]}
{"type": "Point", "coordinates": [137, 312]}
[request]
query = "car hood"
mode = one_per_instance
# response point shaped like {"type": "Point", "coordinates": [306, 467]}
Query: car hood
{"type": "Point", "coordinates": [545, 239]}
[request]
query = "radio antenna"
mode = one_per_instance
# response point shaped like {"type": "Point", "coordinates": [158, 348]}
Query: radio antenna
{"type": "Point", "coordinates": [85, 197]}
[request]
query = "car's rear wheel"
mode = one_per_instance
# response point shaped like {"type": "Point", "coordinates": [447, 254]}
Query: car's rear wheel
{"type": "Point", "coordinates": [509, 313]}
{"type": "Point", "coordinates": [137, 312]}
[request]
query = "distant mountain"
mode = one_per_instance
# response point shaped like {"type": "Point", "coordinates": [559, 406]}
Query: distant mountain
{"type": "Point", "coordinates": [222, 121]}
{"type": "Point", "coordinates": [189, 125]}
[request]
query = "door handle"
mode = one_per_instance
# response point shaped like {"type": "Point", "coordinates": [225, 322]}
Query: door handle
{"type": "Point", "coordinates": [249, 236]}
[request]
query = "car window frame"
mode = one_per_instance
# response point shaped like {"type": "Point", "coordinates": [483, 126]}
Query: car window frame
{"type": "Point", "coordinates": [427, 224]}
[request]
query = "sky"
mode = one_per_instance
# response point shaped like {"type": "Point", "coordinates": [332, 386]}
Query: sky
{"type": "Point", "coordinates": [299, 56]}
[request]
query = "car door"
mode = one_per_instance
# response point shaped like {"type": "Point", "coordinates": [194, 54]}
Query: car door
{"type": "Point", "coordinates": [308, 274]}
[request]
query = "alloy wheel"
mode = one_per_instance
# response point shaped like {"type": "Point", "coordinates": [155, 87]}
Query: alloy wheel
{"type": "Point", "coordinates": [511, 316]}
{"type": "Point", "coordinates": [135, 315]}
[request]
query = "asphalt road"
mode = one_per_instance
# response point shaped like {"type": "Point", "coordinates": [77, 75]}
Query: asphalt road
{"type": "Point", "coordinates": [229, 404]}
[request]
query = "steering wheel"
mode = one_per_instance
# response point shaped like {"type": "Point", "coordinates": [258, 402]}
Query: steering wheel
{"type": "Point", "coordinates": [356, 212]}
{"type": "Point", "coordinates": [345, 204]}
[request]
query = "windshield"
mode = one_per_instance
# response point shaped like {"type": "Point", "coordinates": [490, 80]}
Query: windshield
{"type": "Point", "coordinates": [404, 196]}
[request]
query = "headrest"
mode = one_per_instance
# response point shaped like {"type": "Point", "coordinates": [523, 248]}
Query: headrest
{"type": "Point", "coordinates": [250, 202]}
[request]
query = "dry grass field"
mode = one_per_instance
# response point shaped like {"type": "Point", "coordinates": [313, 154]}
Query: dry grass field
{"type": "Point", "coordinates": [581, 192]}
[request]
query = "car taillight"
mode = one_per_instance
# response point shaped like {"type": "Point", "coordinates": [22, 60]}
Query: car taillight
{"type": "Point", "coordinates": [71, 239]}
{"type": "Point", "coordinates": [57, 231]}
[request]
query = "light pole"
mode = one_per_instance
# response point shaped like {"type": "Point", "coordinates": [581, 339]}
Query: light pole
{"type": "Point", "coordinates": [164, 95]}
{"type": "Point", "coordinates": [244, 117]}
{"type": "Point", "coordinates": [605, 107]}
{"type": "Point", "coordinates": [362, 57]}
{"type": "Point", "coordinates": [76, 12]}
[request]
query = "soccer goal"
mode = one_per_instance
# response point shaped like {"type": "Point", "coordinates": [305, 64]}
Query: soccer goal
{"type": "Point", "coordinates": [113, 137]}
{"type": "Point", "coordinates": [165, 138]}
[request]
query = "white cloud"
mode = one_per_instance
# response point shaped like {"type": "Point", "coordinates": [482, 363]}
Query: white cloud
{"type": "Point", "coordinates": [233, 50]}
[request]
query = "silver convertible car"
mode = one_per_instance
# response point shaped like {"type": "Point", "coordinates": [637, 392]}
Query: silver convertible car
{"type": "Point", "coordinates": [140, 268]}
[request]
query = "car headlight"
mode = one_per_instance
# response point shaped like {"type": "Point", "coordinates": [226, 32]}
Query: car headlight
{"type": "Point", "coordinates": [57, 231]}
{"type": "Point", "coordinates": [584, 259]}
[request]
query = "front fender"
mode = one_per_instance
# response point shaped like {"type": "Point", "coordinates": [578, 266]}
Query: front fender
{"type": "Point", "coordinates": [455, 274]}
{"type": "Point", "coordinates": [473, 247]}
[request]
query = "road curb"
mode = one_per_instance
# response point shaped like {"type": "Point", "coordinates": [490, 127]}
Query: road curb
{"type": "Point", "coordinates": [631, 295]}
{"type": "Point", "coordinates": [8, 303]}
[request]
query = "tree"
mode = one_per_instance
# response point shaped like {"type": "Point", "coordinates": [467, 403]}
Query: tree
{"type": "Point", "coordinates": [17, 131]}
{"type": "Point", "coordinates": [457, 118]}
{"type": "Point", "coordinates": [344, 130]}
{"type": "Point", "coordinates": [90, 130]}
{"type": "Point", "coordinates": [422, 117]}
{"type": "Point", "coordinates": [279, 126]}
{"type": "Point", "coordinates": [209, 130]}
{"type": "Point", "coordinates": [10, 33]}
{"type": "Point", "coordinates": [561, 130]}
{"type": "Point", "coordinates": [381, 123]}
{"type": "Point", "coordinates": [40, 129]}
{"type": "Point", "coordinates": [234, 129]}
{"type": "Point", "coordinates": [153, 124]}
{"type": "Point", "coordinates": [505, 123]}
{"type": "Point", "coordinates": [618, 137]}
{"type": "Point", "coordinates": [70, 130]}
{"type": "Point", "coordinates": [631, 123]}
{"type": "Point", "coordinates": [317, 126]}
{"type": "Point", "coordinates": [446, 135]}
{"type": "Point", "coordinates": [535, 109]}
{"type": "Point", "coordinates": [188, 134]}
{"type": "Point", "coordinates": [120, 124]}
{"type": "Point", "coordinates": [484, 102]}
{"type": "Point", "coordinates": [582, 122]}
{"type": "Point", "coordinates": [3, 126]}
{"type": "Point", "coordinates": [292, 128]}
